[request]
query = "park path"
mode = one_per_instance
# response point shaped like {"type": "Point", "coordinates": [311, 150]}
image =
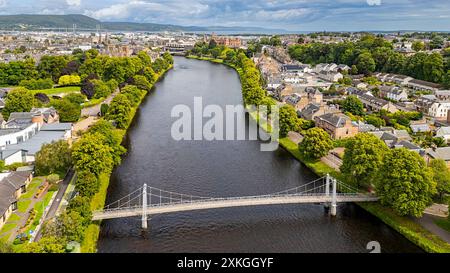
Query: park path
{"type": "Point", "coordinates": [427, 221]}
{"type": "Point", "coordinates": [94, 110]}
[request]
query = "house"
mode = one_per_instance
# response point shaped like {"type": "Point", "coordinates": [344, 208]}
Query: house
{"type": "Point", "coordinates": [420, 128]}
{"type": "Point", "coordinates": [438, 153]}
{"type": "Point", "coordinates": [443, 95]}
{"type": "Point", "coordinates": [396, 138]}
{"type": "Point", "coordinates": [372, 103]}
{"type": "Point", "coordinates": [393, 93]}
{"type": "Point", "coordinates": [444, 132]}
{"type": "Point", "coordinates": [338, 125]}
{"type": "Point", "coordinates": [422, 85]}
{"type": "Point", "coordinates": [330, 76]}
{"type": "Point", "coordinates": [12, 186]}
{"type": "Point", "coordinates": [313, 110]}
{"type": "Point", "coordinates": [49, 114]}
{"type": "Point", "coordinates": [439, 110]}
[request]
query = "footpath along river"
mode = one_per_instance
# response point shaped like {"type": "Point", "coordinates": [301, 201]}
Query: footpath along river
{"type": "Point", "coordinates": [224, 169]}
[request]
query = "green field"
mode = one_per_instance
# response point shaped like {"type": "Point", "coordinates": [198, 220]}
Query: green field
{"type": "Point", "coordinates": [60, 90]}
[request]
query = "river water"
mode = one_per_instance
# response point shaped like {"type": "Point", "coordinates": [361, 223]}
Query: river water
{"type": "Point", "coordinates": [224, 169]}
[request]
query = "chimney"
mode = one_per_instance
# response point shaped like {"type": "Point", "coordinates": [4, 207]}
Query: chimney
{"type": "Point", "coordinates": [38, 118]}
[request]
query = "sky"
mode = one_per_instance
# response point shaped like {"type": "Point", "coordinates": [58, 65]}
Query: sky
{"type": "Point", "coordinates": [292, 15]}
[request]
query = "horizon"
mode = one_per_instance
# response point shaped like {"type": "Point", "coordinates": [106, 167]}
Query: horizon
{"type": "Point", "coordinates": [286, 15]}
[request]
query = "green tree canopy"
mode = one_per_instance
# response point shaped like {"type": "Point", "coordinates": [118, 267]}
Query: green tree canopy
{"type": "Point", "coordinates": [441, 176]}
{"type": "Point", "coordinates": [353, 105]}
{"type": "Point", "coordinates": [53, 158]}
{"type": "Point", "coordinates": [363, 158]}
{"type": "Point", "coordinates": [18, 100]}
{"type": "Point", "coordinates": [406, 183]}
{"type": "Point", "coordinates": [91, 154]}
{"type": "Point", "coordinates": [316, 143]}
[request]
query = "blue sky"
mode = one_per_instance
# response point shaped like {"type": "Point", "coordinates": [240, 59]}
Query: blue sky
{"type": "Point", "coordinates": [298, 15]}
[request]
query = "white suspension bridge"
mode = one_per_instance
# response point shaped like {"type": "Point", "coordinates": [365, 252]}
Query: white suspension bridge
{"type": "Point", "coordinates": [147, 201]}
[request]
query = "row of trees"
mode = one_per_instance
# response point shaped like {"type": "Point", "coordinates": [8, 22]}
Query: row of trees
{"type": "Point", "coordinates": [97, 152]}
{"type": "Point", "coordinates": [401, 177]}
{"type": "Point", "coordinates": [371, 54]}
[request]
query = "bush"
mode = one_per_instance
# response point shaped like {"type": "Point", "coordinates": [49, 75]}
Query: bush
{"type": "Point", "coordinates": [75, 98]}
{"type": "Point", "coordinates": [38, 84]}
{"type": "Point", "coordinates": [53, 178]}
{"type": "Point", "coordinates": [69, 80]}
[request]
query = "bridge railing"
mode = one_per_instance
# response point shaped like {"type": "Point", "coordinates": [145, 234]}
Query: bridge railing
{"type": "Point", "coordinates": [158, 197]}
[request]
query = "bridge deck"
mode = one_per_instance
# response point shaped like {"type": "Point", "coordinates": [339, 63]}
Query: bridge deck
{"type": "Point", "coordinates": [229, 202]}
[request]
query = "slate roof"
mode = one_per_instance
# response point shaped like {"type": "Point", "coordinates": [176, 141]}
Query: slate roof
{"type": "Point", "coordinates": [337, 120]}
{"type": "Point", "coordinates": [441, 153]}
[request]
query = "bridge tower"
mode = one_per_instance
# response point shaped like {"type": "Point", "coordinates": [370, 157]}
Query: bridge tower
{"type": "Point", "coordinates": [327, 191]}
{"type": "Point", "coordinates": [334, 198]}
{"type": "Point", "coordinates": [144, 207]}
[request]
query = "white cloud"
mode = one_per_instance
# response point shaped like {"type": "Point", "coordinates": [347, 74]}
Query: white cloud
{"type": "Point", "coordinates": [374, 2]}
{"type": "Point", "coordinates": [74, 3]}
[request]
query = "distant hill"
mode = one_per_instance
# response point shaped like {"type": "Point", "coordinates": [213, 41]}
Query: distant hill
{"type": "Point", "coordinates": [36, 22]}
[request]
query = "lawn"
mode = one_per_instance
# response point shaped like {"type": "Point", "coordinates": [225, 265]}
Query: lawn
{"type": "Point", "coordinates": [59, 90]}
{"type": "Point", "coordinates": [39, 207]}
{"type": "Point", "coordinates": [443, 223]}
{"type": "Point", "coordinates": [31, 190]}
{"type": "Point", "coordinates": [22, 206]}
{"type": "Point", "coordinates": [7, 227]}
{"type": "Point", "coordinates": [14, 217]}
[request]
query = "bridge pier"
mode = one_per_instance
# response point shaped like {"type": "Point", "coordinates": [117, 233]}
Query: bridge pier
{"type": "Point", "coordinates": [334, 199]}
{"type": "Point", "coordinates": [144, 207]}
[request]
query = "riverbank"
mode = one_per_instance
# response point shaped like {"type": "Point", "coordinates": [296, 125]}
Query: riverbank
{"type": "Point", "coordinates": [91, 234]}
{"type": "Point", "coordinates": [403, 225]}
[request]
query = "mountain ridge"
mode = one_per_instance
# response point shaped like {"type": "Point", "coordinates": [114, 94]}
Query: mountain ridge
{"type": "Point", "coordinates": [38, 21]}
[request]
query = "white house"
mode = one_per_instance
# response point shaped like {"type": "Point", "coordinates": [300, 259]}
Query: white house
{"type": "Point", "coordinates": [17, 135]}
{"type": "Point", "coordinates": [397, 94]}
{"type": "Point", "coordinates": [439, 110]}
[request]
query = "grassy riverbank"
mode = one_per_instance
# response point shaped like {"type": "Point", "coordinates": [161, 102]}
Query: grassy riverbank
{"type": "Point", "coordinates": [91, 234]}
{"type": "Point", "coordinates": [411, 230]}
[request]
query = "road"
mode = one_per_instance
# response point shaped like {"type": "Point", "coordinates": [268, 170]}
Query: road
{"type": "Point", "coordinates": [59, 197]}
{"type": "Point", "coordinates": [332, 161]}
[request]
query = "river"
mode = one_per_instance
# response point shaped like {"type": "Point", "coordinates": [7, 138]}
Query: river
{"type": "Point", "coordinates": [224, 169]}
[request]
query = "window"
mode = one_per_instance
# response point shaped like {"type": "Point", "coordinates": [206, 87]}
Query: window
{"type": "Point", "coordinates": [23, 189]}
{"type": "Point", "coordinates": [14, 206]}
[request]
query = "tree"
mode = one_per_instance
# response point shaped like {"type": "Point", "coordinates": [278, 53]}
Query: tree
{"type": "Point", "coordinates": [82, 206]}
{"type": "Point", "coordinates": [315, 144]}
{"type": "Point", "coordinates": [363, 157]}
{"type": "Point", "coordinates": [375, 121]}
{"type": "Point", "coordinates": [289, 120]}
{"type": "Point", "coordinates": [18, 100]}
{"type": "Point", "coordinates": [91, 154]}
{"type": "Point", "coordinates": [112, 138]}
{"type": "Point", "coordinates": [87, 87]}
{"type": "Point", "coordinates": [87, 184]}
{"type": "Point", "coordinates": [68, 80]}
{"type": "Point", "coordinates": [119, 111]}
{"type": "Point", "coordinates": [101, 89]}
{"type": "Point", "coordinates": [37, 84]}
{"type": "Point", "coordinates": [51, 244]}
{"type": "Point", "coordinates": [70, 223]}
{"type": "Point", "coordinates": [51, 66]}
{"type": "Point", "coordinates": [418, 46]}
{"type": "Point", "coordinates": [75, 98]}
{"type": "Point", "coordinates": [141, 82]}
{"type": "Point", "coordinates": [353, 105]}
{"type": "Point", "coordinates": [53, 158]}
{"type": "Point", "coordinates": [5, 247]}
{"type": "Point", "coordinates": [104, 109]}
{"type": "Point", "coordinates": [406, 183]}
{"type": "Point", "coordinates": [441, 176]}
{"type": "Point", "coordinates": [365, 63]}
{"type": "Point", "coordinates": [68, 111]}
